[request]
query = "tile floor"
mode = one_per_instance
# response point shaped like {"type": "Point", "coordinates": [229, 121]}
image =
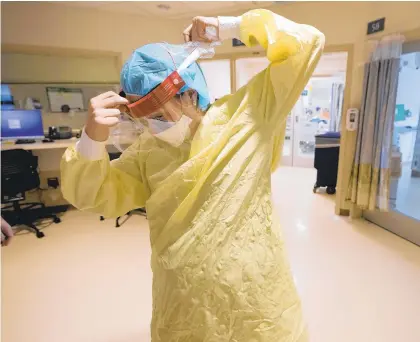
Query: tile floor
{"type": "Point", "coordinates": [87, 281]}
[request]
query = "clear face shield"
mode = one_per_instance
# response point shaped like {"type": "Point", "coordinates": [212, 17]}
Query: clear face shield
{"type": "Point", "coordinates": [167, 112]}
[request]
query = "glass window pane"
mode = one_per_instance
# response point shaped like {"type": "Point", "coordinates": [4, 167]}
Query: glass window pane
{"type": "Point", "coordinates": [405, 164]}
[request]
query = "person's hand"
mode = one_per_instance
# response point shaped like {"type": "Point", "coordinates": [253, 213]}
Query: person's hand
{"type": "Point", "coordinates": [189, 106]}
{"type": "Point", "coordinates": [7, 232]}
{"type": "Point", "coordinates": [190, 109]}
{"type": "Point", "coordinates": [104, 113]}
{"type": "Point", "coordinates": [202, 29]}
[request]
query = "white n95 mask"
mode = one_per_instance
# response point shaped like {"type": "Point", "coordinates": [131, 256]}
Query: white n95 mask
{"type": "Point", "coordinates": [173, 133]}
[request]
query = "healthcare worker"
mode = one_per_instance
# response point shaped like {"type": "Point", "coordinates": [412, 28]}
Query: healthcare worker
{"type": "Point", "coordinates": [219, 267]}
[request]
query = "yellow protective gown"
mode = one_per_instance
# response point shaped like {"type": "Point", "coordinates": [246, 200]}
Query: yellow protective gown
{"type": "Point", "coordinates": [219, 268]}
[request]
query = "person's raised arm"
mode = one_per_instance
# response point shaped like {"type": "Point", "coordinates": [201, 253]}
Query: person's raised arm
{"type": "Point", "coordinates": [293, 50]}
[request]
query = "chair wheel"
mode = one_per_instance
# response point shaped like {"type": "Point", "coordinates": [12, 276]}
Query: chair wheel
{"type": "Point", "coordinates": [56, 220]}
{"type": "Point", "coordinates": [315, 188]}
{"type": "Point", "coordinates": [40, 235]}
{"type": "Point", "coordinates": [330, 190]}
{"type": "Point", "coordinates": [102, 218]}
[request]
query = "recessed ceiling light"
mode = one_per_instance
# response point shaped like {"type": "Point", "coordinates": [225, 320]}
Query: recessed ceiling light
{"type": "Point", "coordinates": [164, 7]}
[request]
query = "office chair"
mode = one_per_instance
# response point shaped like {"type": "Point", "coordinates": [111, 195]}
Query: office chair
{"type": "Point", "coordinates": [142, 211]}
{"type": "Point", "coordinates": [19, 174]}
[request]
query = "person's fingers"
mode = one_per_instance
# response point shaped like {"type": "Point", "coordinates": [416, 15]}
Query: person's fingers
{"type": "Point", "coordinates": [201, 30]}
{"type": "Point", "coordinates": [204, 30]}
{"type": "Point", "coordinates": [187, 33]}
{"type": "Point", "coordinates": [193, 113]}
{"type": "Point", "coordinates": [123, 109]}
{"type": "Point", "coordinates": [107, 116]}
{"type": "Point", "coordinates": [107, 112]}
{"type": "Point", "coordinates": [7, 231]}
{"type": "Point", "coordinates": [212, 32]}
{"type": "Point", "coordinates": [187, 100]}
{"type": "Point", "coordinates": [109, 99]}
{"type": "Point", "coordinates": [194, 98]}
{"type": "Point", "coordinates": [109, 121]}
{"type": "Point", "coordinates": [106, 95]}
{"type": "Point", "coordinates": [172, 110]}
{"type": "Point", "coordinates": [6, 242]}
{"type": "Point", "coordinates": [191, 110]}
{"type": "Point", "coordinates": [113, 102]}
{"type": "Point", "coordinates": [195, 35]}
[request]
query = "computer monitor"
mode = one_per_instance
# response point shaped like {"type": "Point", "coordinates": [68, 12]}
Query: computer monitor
{"type": "Point", "coordinates": [6, 97]}
{"type": "Point", "coordinates": [21, 124]}
{"type": "Point", "coordinates": [7, 106]}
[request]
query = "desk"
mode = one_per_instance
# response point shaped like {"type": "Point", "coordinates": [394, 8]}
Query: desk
{"type": "Point", "coordinates": [49, 154]}
{"type": "Point", "coordinates": [39, 145]}
{"type": "Point", "coordinates": [56, 144]}
{"type": "Point", "coordinates": [49, 157]}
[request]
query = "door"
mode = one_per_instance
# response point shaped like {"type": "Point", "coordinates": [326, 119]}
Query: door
{"type": "Point", "coordinates": [403, 218]}
{"type": "Point", "coordinates": [318, 109]}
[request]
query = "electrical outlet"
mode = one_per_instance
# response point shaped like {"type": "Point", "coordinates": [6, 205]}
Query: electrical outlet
{"type": "Point", "coordinates": [53, 182]}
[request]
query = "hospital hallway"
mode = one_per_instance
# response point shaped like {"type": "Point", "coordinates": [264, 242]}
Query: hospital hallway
{"type": "Point", "coordinates": [88, 281]}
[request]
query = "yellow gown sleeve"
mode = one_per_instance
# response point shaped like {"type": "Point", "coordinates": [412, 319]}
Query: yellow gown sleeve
{"type": "Point", "coordinates": [107, 188]}
{"type": "Point", "coordinates": [294, 51]}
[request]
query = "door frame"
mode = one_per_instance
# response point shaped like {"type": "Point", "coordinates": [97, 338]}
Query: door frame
{"type": "Point", "coordinates": [348, 49]}
{"type": "Point", "coordinates": [396, 222]}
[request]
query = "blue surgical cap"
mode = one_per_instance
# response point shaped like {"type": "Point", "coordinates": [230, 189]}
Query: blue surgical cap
{"type": "Point", "coordinates": [149, 65]}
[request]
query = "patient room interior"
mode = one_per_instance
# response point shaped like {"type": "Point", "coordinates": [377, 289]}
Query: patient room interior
{"type": "Point", "coordinates": [354, 256]}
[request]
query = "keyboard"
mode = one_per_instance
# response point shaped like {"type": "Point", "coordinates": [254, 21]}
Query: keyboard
{"type": "Point", "coordinates": [25, 141]}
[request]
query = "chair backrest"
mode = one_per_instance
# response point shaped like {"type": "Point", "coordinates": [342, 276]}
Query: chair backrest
{"type": "Point", "coordinates": [18, 173]}
{"type": "Point", "coordinates": [114, 155]}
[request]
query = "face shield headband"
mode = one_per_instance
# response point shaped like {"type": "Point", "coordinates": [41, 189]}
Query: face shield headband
{"type": "Point", "coordinates": [170, 87]}
{"type": "Point", "coordinates": [159, 96]}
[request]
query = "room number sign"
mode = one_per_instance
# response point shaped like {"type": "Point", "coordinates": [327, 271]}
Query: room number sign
{"type": "Point", "coordinates": [376, 26]}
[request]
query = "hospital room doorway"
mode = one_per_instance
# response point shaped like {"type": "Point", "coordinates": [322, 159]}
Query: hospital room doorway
{"type": "Point", "coordinates": [318, 109]}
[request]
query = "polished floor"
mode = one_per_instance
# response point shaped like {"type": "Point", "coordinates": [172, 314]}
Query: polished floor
{"type": "Point", "coordinates": [88, 281]}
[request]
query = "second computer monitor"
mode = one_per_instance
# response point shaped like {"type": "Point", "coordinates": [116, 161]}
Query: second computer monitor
{"type": "Point", "coordinates": [21, 124]}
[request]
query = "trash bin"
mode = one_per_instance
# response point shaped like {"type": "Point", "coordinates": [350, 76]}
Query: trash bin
{"type": "Point", "coordinates": [327, 150]}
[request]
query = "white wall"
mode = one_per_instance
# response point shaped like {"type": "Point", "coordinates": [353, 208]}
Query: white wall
{"type": "Point", "coordinates": [42, 68]}
{"type": "Point", "coordinates": [52, 25]}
